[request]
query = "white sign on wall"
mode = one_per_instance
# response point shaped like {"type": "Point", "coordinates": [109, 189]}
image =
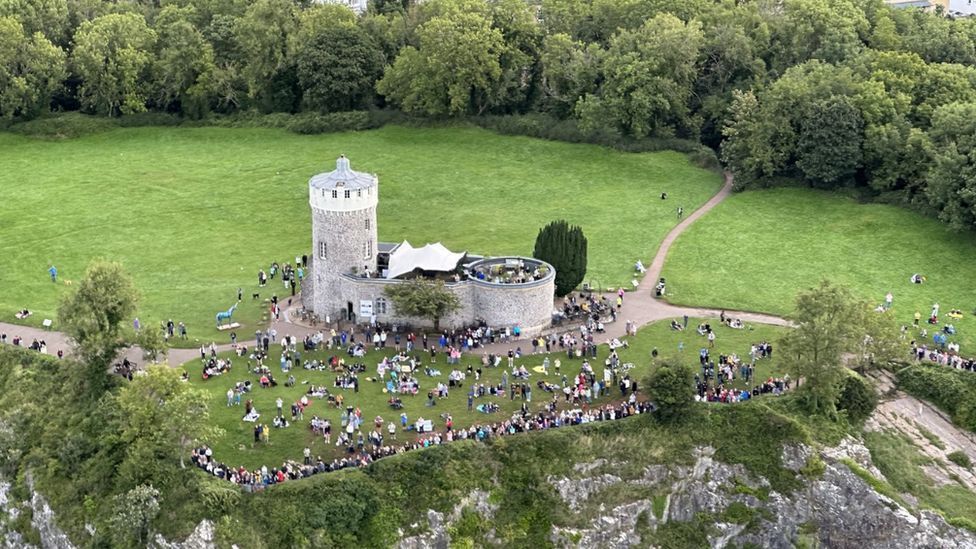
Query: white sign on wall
{"type": "Point", "coordinates": [365, 308]}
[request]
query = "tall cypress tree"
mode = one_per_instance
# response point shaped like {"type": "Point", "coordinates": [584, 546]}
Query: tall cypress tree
{"type": "Point", "coordinates": [564, 247]}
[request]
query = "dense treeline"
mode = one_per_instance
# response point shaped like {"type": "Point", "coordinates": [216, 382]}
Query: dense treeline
{"type": "Point", "coordinates": [833, 92]}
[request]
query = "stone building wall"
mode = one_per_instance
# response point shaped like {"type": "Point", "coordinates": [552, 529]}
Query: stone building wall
{"type": "Point", "coordinates": [498, 305]}
{"type": "Point", "coordinates": [529, 304]}
{"type": "Point", "coordinates": [347, 235]}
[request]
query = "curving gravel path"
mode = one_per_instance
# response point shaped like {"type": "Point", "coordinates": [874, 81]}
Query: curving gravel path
{"type": "Point", "coordinates": [640, 306]}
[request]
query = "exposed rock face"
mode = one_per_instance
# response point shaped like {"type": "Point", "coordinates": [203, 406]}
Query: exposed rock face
{"type": "Point", "coordinates": [437, 536]}
{"type": "Point", "coordinates": [51, 536]}
{"type": "Point", "coordinates": [202, 537]}
{"type": "Point", "coordinates": [837, 508]}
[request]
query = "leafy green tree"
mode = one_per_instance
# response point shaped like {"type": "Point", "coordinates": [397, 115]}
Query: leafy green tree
{"type": "Point", "coordinates": [134, 512]}
{"type": "Point", "coordinates": [184, 66]}
{"type": "Point", "coordinates": [829, 30]}
{"type": "Point", "coordinates": [829, 140]}
{"type": "Point", "coordinates": [429, 299]}
{"type": "Point", "coordinates": [564, 247]}
{"type": "Point", "coordinates": [570, 71]}
{"type": "Point", "coordinates": [152, 341]}
{"type": "Point", "coordinates": [94, 315]}
{"type": "Point", "coordinates": [389, 6]}
{"type": "Point", "coordinates": [648, 78]}
{"type": "Point", "coordinates": [262, 35]}
{"type": "Point", "coordinates": [519, 85]}
{"type": "Point", "coordinates": [337, 68]}
{"type": "Point", "coordinates": [750, 149]}
{"type": "Point", "coordinates": [113, 55]}
{"type": "Point", "coordinates": [857, 397]}
{"type": "Point", "coordinates": [454, 71]}
{"type": "Point", "coordinates": [671, 387]}
{"type": "Point", "coordinates": [829, 325]}
{"type": "Point", "coordinates": [49, 17]}
{"type": "Point", "coordinates": [163, 417]}
{"type": "Point", "coordinates": [31, 70]}
{"type": "Point", "coordinates": [951, 180]}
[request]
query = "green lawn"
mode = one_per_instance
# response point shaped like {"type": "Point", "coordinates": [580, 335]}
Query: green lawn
{"type": "Point", "coordinates": [193, 213]}
{"type": "Point", "coordinates": [758, 248]}
{"type": "Point", "coordinates": [236, 446]}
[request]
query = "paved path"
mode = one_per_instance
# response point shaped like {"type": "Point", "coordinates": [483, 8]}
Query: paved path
{"type": "Point", "coordinates": [640, 306]}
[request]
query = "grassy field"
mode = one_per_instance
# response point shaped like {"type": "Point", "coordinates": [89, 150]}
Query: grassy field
{"type": "Point", "coordinates": [237, 444]}
{"type": "Point", "coordinates": [193, 213]}
{"type": "Point", "coordinates": [758, 248]}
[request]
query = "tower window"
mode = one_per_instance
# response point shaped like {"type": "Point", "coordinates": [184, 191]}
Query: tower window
{"type": "Point", "coordinates": [348, 194]}
{"type": "Point", "coordinates": [335, 194]}
{"type": "Point", "coordinates": [381, 306]}
{"type": "Point", "coordinates": [359, 193]}
{"type": "Point", "coordinates": [367, 223]}
{"type": "Point", "coordinates": [368, 249]}
{"type": "Point", "coordinates": [322, 249]}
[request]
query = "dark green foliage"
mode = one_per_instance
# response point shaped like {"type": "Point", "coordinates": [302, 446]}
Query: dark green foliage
{"type": "Point", "coordinates": [564, 247]}
{"type": "Point", "coordinates": [671, 387]}
{"type": "Point", "coordinates": [337, 68]}
{"type": "Point", "coordinates": [684, 535]}
{"type": "Point", "coordinates": [314, 123]}
{"type": "Point", "coordinates": [961, 459]}
{"type": "Point", "coordinates": [829, 143]}
{"type": "Point", "coordinates": [93, 315]}
{"type": "Point", "coordinates": [952, 390]}
{"type": "Point", "coordinates": [753, 434]}
{"type": "Point", "coordinates": [428, 299]}
{"type": "Point", "coordinates": [844, 93]}
{"type": "Point", "coordinates": [857, 397]}
{"type": "Point", "coordinates": [325, 511]}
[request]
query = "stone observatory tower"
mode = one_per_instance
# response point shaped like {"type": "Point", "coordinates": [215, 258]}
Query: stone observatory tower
{"type": "Point", "coordinates": [343, 235]}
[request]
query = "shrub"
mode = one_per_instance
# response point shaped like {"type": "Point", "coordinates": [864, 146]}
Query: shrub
{"type": "Point", "coordinates": [858, 397]}
{"type": "Point", "coordinates": [564, 247]}
{"type": "Point", "coordinates": [961, 459]}
{"type": "Point", "coordinates": [313, 123]}
{"type": "Point", "coordinates": [149, 119]}
{"type": "Point", "coordinates": [671, 388]}
{"type": "Point", "coordinates": [65, 126]}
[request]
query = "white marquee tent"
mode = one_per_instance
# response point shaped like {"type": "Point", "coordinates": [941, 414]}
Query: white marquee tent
{"type": "Point", "coordinates": [432, 257]}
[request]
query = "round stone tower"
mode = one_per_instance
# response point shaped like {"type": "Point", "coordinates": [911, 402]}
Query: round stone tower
{"type": "Point", "coordinates": [343, 235]}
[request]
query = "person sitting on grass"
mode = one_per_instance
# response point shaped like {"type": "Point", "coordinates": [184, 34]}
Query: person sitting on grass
{"type": "Point", "coordinates": [675, 325]}
{"type": "Point", "coordinates": [23, 313]}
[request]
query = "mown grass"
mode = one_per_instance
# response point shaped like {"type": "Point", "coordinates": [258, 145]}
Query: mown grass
{"type": "Point", "coordinates": [758, 248]}
{"type": "Point", "coordinates": [236, 446]}
{"type": "Point", "coordinates": [193, 213]}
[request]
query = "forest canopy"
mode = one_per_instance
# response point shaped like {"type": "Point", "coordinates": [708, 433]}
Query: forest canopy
{"type": "Point", "coordinates": [835, 93]}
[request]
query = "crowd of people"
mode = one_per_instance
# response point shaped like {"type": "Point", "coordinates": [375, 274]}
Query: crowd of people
{"type": "Point", "coordinates": [363, 450]}
{"type": "Point", "coordinates": [944, 357]}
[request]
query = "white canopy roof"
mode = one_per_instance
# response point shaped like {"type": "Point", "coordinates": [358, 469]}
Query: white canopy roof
{"type": "Point", "coordinates": [432, 257]}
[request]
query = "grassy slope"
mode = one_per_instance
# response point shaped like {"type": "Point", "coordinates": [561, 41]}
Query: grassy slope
{"type": "Point", "coordinates": [236, 446]}
{"type": "Point", "coordinates": [194, 213]}
{"type": "Point", "coordinates": [755, 250]}
{"type": "Point", "coordinates": [901, 463]}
